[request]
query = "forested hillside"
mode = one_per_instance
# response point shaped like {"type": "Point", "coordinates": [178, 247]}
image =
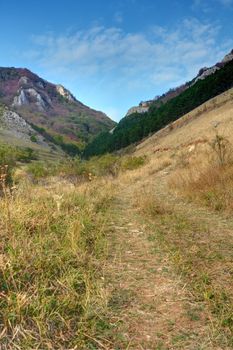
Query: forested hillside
{"type": "Point", "coordinates": [135, 127]}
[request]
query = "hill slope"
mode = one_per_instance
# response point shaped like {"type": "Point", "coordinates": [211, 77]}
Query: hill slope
{"type": "Point", "coordinates": [136, 126]}
{"type": "Point", "coordinates": [14, 130]}
{"type": "Point", "coordinates": [197, 128]}
{"type": "Point", "coordinates": [50, 106]}
{"type": "Point", "coordinates": [202, 74]}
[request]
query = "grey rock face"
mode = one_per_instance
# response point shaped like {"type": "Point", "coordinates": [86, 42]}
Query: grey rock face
{"type": "Point", "coordinates": [42, 103]}
{"type": "Point", "coordinates": [20, 99]}
{"type": "Point", "coordinates": [24, 81]}
{"type": "Point", "coordinates": [13, 121]}
{"type": "Point", "coordinates": [137, 109]}
{"type": "Point", "coordinates": [31, 96]}
{"type": "Point", "coordinates": [228, 57]}
{"type": "Point", "coordinates": [18, 127]}
{"type": "Point", "coordinates": [206, 73]}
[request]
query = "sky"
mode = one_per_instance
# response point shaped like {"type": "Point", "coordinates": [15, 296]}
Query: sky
{"type": "Point", "coordinates": [113, 54]}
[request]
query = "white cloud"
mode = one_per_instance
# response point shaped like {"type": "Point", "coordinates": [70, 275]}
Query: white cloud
{"type": "Point", "coordinates": [112, 59]}
{"type": "Point", "coordinates": [102, 50]}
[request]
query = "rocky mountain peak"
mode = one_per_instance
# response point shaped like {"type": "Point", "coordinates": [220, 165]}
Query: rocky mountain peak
{"type": "Point", "coordinates": [49, 106]}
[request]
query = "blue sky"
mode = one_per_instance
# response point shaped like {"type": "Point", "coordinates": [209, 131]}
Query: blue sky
{"type": "Point", "coordinates": [112, 54]}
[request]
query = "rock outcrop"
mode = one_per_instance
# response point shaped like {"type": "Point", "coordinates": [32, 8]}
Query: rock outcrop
{"type": "Point", "coordinates": [65, 93]}
{"type": "Point", "coordinates": [12, 122]}
{"type": "Point", "coordinates": [137, 109]}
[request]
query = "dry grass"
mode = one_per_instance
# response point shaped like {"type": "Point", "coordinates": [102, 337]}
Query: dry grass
{"type": "Point", "coordinates": [200, 124]}
{"type": "Point", "coordinates": [201, 256]}
{"type": "Point", "coordinates": [52, 251]}
{"type": "Point", "coordinates": [211, 187]}
{"type": "Point", "coordinates": [208, 177]}
{"type": "Point", "coordinates": [197, 240]}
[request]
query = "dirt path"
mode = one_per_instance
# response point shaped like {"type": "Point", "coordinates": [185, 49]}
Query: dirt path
{"type": "Point", "coordinates": [150, 305]}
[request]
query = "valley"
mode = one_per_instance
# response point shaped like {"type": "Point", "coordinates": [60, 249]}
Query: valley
{"type": "Point", "coordinates": [116, 236]}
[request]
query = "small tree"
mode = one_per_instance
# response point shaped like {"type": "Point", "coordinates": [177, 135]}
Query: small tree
{"type": "Point", "coordinates": [222, 148]}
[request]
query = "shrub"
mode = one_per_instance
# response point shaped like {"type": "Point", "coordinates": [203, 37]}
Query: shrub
{"type": "Point", "coordinates": [212, 183]}
{"type": "Point", "coordinates": [8, 157]}
{"type": "Point", "coordinates": [33, 138]}
{"type": "Point", "coordinates": [38, 170]}
{"type": "Point", "coordinates": [83, 170]}
{"type": "Point", "coordinates": [222, 149]}
{"type": "Point", "coordinates": [131, 163]}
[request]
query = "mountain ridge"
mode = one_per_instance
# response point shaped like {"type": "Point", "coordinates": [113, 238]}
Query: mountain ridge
{"type": "Point", "coordinates": [173, 92]}
{"type": "Point", "coordinates": [135, 127]}
{"type": "Point", "coordinates": [50, 107]}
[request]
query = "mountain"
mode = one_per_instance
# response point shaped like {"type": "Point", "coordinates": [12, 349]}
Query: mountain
{"type": "Point", "coordinates": [166, 109]}
{"type": "Point", "coordinates": [50, 109]}
{"type": "Point", "coordinates": [17, 132]}
{"type": "Point", "coordinates": [202, 74]}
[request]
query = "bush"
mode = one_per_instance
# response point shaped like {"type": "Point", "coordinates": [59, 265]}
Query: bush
{"type": "Point", "coordinates": [131, 163]}
{"type": "Point", "coordinates": [33, 138]}
{"type": "Point", "coordinates": [8, 157]}
{"type": "Point", "coordinates": [38, 170]}
{"type": "Point", "coordinates": [82, 170]}
{"type": "Point", "coordinates": [222, 149]}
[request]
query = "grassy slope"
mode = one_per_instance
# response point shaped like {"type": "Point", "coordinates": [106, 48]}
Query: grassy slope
{"type": "Point", "coordinates": [196, 125]}
{"type": "Point", "coordinates": [43, 152]}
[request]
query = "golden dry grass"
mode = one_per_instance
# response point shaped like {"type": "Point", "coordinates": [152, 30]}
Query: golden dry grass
{"type": "Point", "coordinates": [52, 251]}
{"type": "Point", "coordinates": [194, 128]}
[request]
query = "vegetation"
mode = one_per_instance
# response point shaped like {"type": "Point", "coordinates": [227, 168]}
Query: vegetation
{"type": "Point", "coordinates": [81, 170]}
{"type": "Point", "coordinates": [67, 246]}
{"type": "Point", "coordinates": [211, 184]}
{"type": "Point", "coordinates": [196, 240]}
{"type": "Point", "coordinates": [135, 127]}
{"type": "Point", "coordinates": [9, 156]}
{"type": "Point", "coordinates": [33, 138]}
{"type": "Point", "coordinates": [53, 246]}
{"type": "Point", "coordinates": [73, 120]}
{"type": "Point", "coordinates": [103, 254]}
{"type": "Point", "coordinates": [71, 149]}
